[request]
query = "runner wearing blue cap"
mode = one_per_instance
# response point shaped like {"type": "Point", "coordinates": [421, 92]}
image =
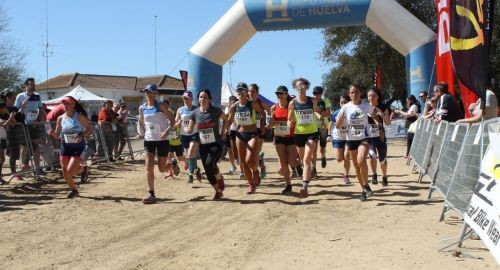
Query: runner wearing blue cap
{"type": "Point", "coordinates": [155, 117]}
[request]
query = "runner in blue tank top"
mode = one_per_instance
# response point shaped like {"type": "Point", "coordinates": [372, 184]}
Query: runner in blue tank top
{"type": "Point", "coordinates": [72, 128]}
{"type": "Point", "coordinates": [154, 117]}
{"type": "Point", "coordinates": [189, 140]}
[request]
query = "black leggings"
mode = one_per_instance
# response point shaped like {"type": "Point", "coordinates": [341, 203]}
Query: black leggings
{"type": "Point", "coordinates": [409, 140]}
{"type": "Point", "coordinates": [210, 155]}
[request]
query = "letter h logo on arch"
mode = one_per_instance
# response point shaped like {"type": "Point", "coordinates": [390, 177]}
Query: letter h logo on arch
{"type": "Point", "coordinates": [282, 8]}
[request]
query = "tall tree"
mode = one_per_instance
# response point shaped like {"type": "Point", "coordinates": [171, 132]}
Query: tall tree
{"type": "Point", "coordinates": [356, 51]}
{"type": "Point", "coordinates": [11, 58]}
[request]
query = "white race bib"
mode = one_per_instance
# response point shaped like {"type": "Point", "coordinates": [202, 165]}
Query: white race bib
{"type": "Point", "coordinates": [152, 130]}
{"type": "Point", "coordinates": [185, 125]}
{"type": "Point", "coordinates": [305, 117]}
{"type": "Point", "coordinates": [31, 115]}
{"type": "Point", "coordinates": [373, 131]}
{"type": "Point", "coordinates": [207, 136]}
{"type": "Point", "coordinates": [71, 138]}
{"type": "Point", "coordinates": [281, 129]}
{"type": "Point", "coordinates": [172, 134]}
{"type": "Point", "coordinates": [357, 130]}
{"type": "Point", "coordinates": [243, 118]}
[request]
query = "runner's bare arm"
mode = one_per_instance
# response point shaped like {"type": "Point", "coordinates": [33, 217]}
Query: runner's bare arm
{"type": "Point", "coordinates": [271, 120]}
{"type": "Point", "coordinates": [140, 123]}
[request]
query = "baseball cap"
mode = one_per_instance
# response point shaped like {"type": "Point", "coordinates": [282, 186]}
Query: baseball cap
{"type": "Point", "coordinates": [241, 87]}
{"type": "Point", "coordinates": [68, 100]}
{"type": "Point", "coordinates": [281, 89]}
{"type": "Point", "coordinates": [187, 94]}
{"type": "Point", "coordinates": [151, 88]}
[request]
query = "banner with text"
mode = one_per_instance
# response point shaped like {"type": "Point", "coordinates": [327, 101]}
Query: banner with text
{"type": "Point", "coordinates": [483, 212]}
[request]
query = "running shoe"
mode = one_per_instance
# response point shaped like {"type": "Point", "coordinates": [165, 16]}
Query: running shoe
{"type": "Point", "coordinates": [218, 195]}
{"type": "Point", "coordinates": [149, 200]}
{"type": "Point", "coordinates": [190, 178]}
{"type": "Point", "coordinates": [261, 159]}
{"type": "Point", "coordinates": [294, 174]}
{"type": "Point", "coordinates": [287, 189]}
{"type": "Point", "coordinates": [175, 167]}
{"type": "Point", "coordinates": [256, 178]}
{"type": "Point", "coordinates": [232, 170]}
{"type": "Point", "coordinates": [198, 174]}
{"type": "Point", "coordinates": [368, 190]}
{"type": "Point", "coordinates": [84, 176]}
{"type": "Point", "coordinates": [384, 181]}
{"type": "Point", "coordinates": [74, 193]}
{"type": "Point", "coordinates": [314, 173]}
{"type": "Point", "coordinates": [242, 176]}
{"type": "Point", "coordinates": [374, 179]}
{"type": "Point", "coordinates": [303, 192]}
{"type": "Point", "coordinates": [323, 162]}
{"type": "Point", "coordinates": [346, 180]}
{"type": "Point", "coordinates": [363, 196]}
{"type": "Point", "coordinates": [250, 189]}
{"type": "Point", "coordinates": [3, 182]}
{"type": "Point", "coordinates": [263, 172]}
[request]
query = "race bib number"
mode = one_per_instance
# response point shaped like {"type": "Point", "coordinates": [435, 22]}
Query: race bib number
{"type": "Point", "coordinates": [185, 125]}
{"type": "Point", "coordinates": [282, 129]}
{"type": "Point", "coordinates": [374, 130]}
{"type": "Point", "coordinates": [357, 130]}
{"type": "Point", "coordinates": [305, 117]}
{"type": "Point", "coordinates": [31, 115]}
{"type": "Point", "coordinates": [172, 134]}
{"type": "Point", "coordinates": [243, 118]}
{"type": "Point", "coordinates": [152, 130]}
{"type": "Point", "coordinates": [207, 136]}
{"type": "Point", "coordinates": [72, 138]}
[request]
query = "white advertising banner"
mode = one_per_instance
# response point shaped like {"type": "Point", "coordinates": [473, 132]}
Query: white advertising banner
{"type": "Point", "coordinates": [396, 129]}
{"type": "Point", "coordinates": [483, 212]}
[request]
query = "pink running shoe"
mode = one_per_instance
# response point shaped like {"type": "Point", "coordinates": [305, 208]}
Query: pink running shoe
{"type": "Point", "coordinates": [346, 180]}
{"type": "Point", "coordinates": [221, 185]}
{"type": "Point", "coordinates": [256, 178]}
{"type": "Point", "coordinates": [303, 193]}
{"type": "Point", "coordinates": [251, 189]}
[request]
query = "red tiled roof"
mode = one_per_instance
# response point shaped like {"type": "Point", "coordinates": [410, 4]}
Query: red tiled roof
{"type": "Point", "coordinates": [110, 81]}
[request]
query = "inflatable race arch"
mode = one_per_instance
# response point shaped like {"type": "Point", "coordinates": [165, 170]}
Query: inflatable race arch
{"type": "Point", "coordinates": [386, 18]}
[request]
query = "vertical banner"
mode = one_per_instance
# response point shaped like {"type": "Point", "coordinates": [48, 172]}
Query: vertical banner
{"type": "Point", "coordinates": [483, 212]}
{"type": "Point", "coordinates": [444, 64]}
{"type": "Point", "coordinates": [184, 77]}
{"type": "Point", "coordinates": [470, 30]}
{"type": "Point", "coordinates": [468, 98]}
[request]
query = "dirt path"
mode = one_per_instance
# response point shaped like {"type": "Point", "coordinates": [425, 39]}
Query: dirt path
{"type": "Point", "coordinates": [109, 227]}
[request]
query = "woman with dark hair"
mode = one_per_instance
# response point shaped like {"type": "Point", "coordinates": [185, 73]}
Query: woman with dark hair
{"type": "Point", "coordinates": [243, 112]}
{"type": "Point", "coordinates": [206, 118]}
{"type": "Point", "coordinates": [72, 128]}
{"type": "Point", "coordinates": [376, 133]}
{"type": "Point", "coordinates": [231, 138]}
{"type": "Point", "coordinates": [15, 134]}
{"type": "Point", "coordinates": [411, 112]}
{"type": "Point", "coordinates": [355, 115]}
{"type": "Point", "coordinates": [253, 93]}
{"type": "Point", "coordinates": [303, 113]}
{"type": "Point", "coordinates": [283, 137]}
{"type": "Point", "coordinates": [339, 139]}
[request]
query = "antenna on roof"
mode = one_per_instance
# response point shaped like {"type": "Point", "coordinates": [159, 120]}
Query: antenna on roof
{"type": "Point", "coordinates": [47, 53]}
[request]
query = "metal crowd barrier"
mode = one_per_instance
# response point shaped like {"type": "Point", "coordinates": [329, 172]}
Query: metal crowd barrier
{"type": "Point", "coordinates": [447, 162]}
{"type": "Point", "coordinates": [420, 153]}
{"type": "Point", "coordinates": [16, 137]}
{"type": "Point", "coordinates": [417, 138]}
{"type": "Point", "coordinates": [466, 173]}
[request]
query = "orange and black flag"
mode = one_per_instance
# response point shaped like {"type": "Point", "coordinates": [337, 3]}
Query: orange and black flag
{"type": "Point", "coordinates": [471, 26]}
{"type": "Point", "coordinates": [184, 77]}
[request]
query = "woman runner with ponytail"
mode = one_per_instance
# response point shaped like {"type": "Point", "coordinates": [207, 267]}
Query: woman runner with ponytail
{"type": "Point", "coordinates": [283, 137]}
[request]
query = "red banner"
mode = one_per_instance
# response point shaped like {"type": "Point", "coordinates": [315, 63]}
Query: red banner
{"type": "Point", "coordinates": [468, 97]}
{"type": "Point", "coordinates": [377, 78]}
{"type": "Point", "coordinates": [444, 64]}
{"type": "Point", "coordinates": [184, 77]}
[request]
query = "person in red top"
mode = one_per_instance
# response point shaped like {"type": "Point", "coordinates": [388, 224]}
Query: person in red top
{"type": "Point", "coordinates": [283, 137]}
{"type": "Point", "coordinates": [107, 122]}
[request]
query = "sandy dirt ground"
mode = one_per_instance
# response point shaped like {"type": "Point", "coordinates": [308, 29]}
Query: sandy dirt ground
{"type": "Point", "coordinates": [109, 228]}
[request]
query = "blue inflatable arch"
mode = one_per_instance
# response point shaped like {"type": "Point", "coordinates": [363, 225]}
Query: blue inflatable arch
{"type": "Point", "coordinates": [387, 18]}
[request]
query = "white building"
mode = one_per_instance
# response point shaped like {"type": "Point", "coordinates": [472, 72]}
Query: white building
{"type": "Point", "coordinates": [123, 89]}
